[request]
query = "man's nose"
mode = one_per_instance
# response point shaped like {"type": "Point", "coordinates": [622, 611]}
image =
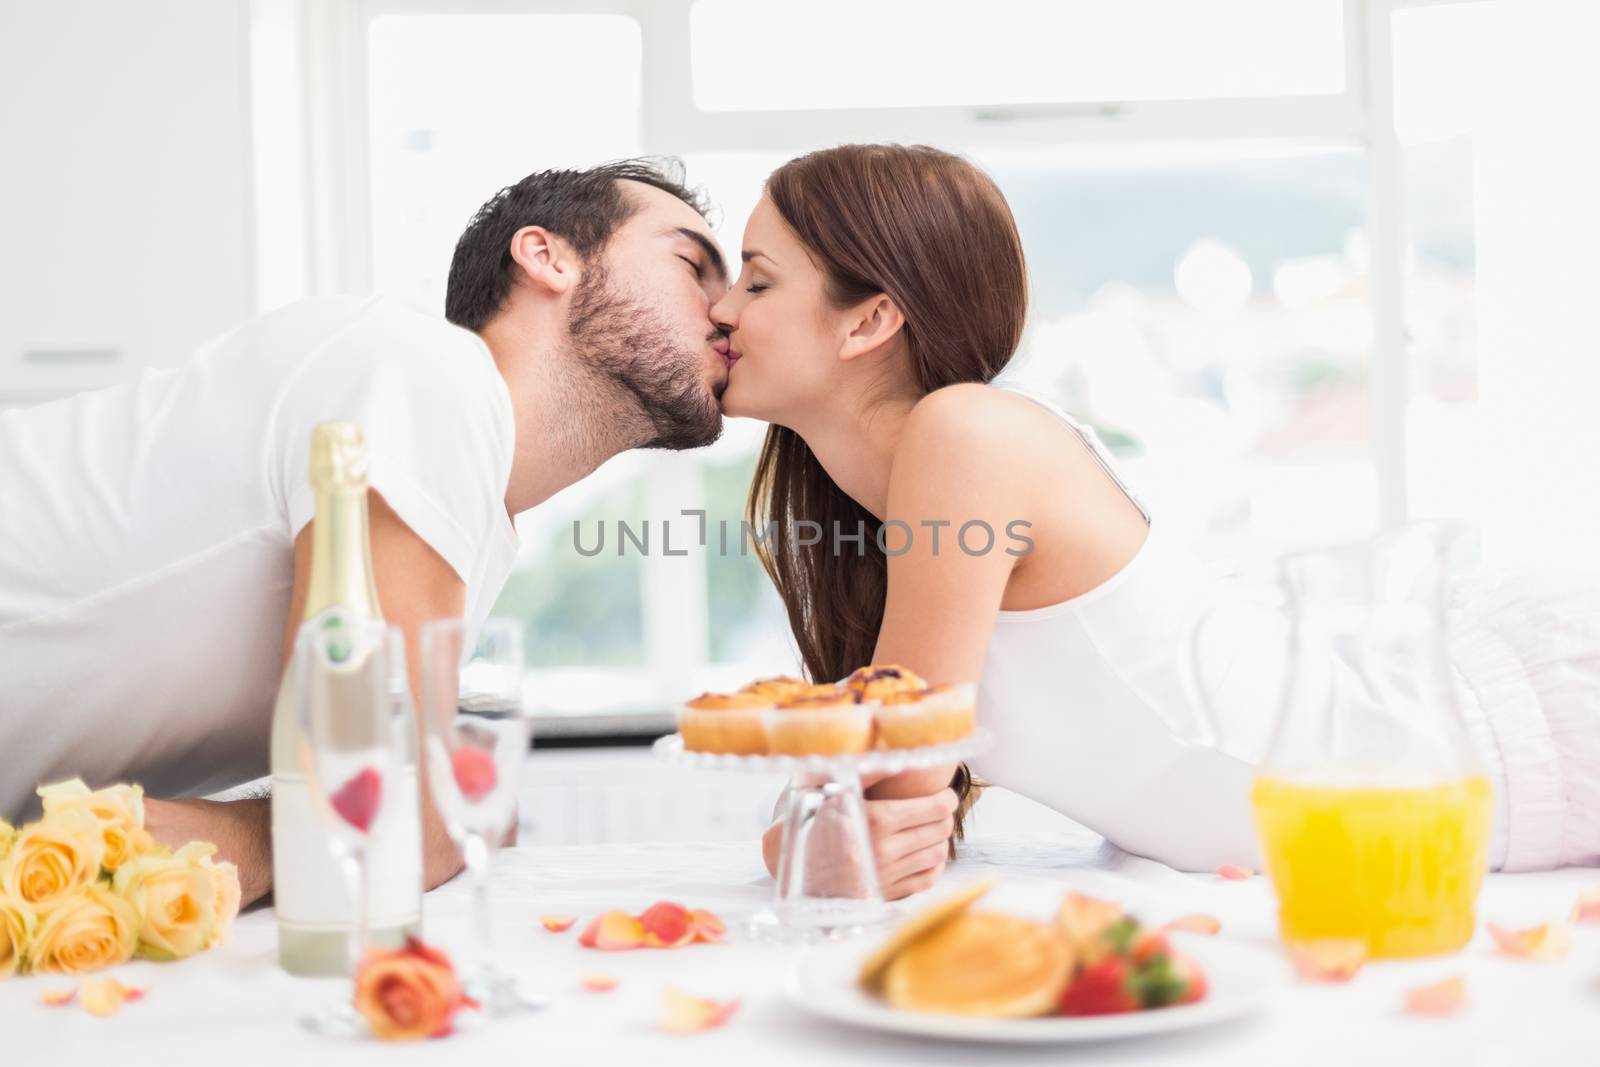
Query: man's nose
{"type": "Point", "coordinates": [722, 314]}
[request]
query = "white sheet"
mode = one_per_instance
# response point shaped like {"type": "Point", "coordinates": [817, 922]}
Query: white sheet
{"type": "Point", "coordinates": [235, 1008]}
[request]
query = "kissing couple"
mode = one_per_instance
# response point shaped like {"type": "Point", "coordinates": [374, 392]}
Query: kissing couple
{"type": "Point", "coordinates": [880, 291]}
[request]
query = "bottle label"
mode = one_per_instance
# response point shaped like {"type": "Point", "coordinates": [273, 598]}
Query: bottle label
{"type": "Point", "coordinates": [309, 888]}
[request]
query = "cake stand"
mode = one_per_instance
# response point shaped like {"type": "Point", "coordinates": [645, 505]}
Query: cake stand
{"type": "Point", "coordinates": [827, 881]}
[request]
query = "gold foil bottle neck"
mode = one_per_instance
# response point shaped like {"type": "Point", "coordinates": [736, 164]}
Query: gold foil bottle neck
{"type": "Point", "coordinates": [338, 457]}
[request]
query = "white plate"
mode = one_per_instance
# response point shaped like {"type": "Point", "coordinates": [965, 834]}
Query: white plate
{"type": "Point", "coordinates": [1240, 979]}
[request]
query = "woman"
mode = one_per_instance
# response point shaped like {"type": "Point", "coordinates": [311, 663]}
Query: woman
{"type": "Point", "coordinates": [882, 289]}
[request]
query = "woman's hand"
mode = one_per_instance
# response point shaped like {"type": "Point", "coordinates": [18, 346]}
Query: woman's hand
{"type": "Point", "coordinates": [910, 840]}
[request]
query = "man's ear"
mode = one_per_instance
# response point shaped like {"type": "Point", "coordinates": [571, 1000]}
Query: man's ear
{"type": "Point", "coordinates": [548, 263]}
{"type": "Point", "coordinates": [874, 322]}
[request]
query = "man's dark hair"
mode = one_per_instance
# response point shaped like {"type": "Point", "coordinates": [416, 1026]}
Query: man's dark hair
{"type": "Point", "coordinates": [584, 207]}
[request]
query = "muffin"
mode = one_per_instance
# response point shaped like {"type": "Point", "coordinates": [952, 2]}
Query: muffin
{"type": "Point", "coordinates": [827, 721]}
{"type": "Point", "coordinates": [728, 723]}
{"type": "Point", "coordinates": [933, 716]}
{"type": "Point", "coordinates": [881, 682]}
{"type": "Point", "coordinates": [777, 689]}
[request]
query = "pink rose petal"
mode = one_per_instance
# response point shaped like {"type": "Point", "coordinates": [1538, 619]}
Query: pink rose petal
{"type": "Point", "coordinates": [1441, 998]}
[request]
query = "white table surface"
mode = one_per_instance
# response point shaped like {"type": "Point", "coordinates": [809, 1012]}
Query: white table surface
{"type": "Point", "coordinates": [234, 1007]}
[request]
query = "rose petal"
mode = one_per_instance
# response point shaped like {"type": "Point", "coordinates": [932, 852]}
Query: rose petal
{"type": "Point", "coordinates": [1195, 924]}
{"type": "Point", "coordinates": [599, 983]}
{"type": "Point", "coordinates": [684, 1014]}
{"type": "Point", "coordinates": [666, 925]}
{"type": "Point", "coordinates": [58, 998]}
{"type": "Point", "coordinates": [1441, 998]}
{"type": "Point", "coordinates": [557, 924]}
{"type": "Point", "coordinates": [615, 931]}
{"type": "Point", "coordinates": [105, 996]}
{"type": "Point", "coordinates": [1234, 873]}
{"type": "Point", "coordinates": [357, 800]}
{"type": "Point", "coordinates": [706, 926]}
{"type": "Point", "coordinates": [1587, 909]}
{"type": "Point", "coordinates": [474, 771]}
{"type": "Point", "coordinates": [1328, 959]}
{"type": "Point", "coordinates": [1548, 941]}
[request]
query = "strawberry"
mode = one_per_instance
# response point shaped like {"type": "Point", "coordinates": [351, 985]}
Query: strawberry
{"type": "Point", "coordinates": [1104, 989]}
{"type": "Point", "coordinates": [1193, 977]}
{"type": "Point", "coordinates": [474, 771]}
{"type": "Point", "coordinates": [1122, 935]}
{"type": "Point", "coordinates": [1167, 977]}
{"type": "Point", "coordinates": [1149, 945]}
{"type": "Point", "coordinates": [357, 800]}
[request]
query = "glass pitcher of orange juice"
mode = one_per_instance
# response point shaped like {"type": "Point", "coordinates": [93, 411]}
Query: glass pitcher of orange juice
{"type": "Point", "coordinates": [1373, 811]}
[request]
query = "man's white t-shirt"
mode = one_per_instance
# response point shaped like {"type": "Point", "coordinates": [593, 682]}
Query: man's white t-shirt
{"type": "Point", "coordinates": [146, 534]}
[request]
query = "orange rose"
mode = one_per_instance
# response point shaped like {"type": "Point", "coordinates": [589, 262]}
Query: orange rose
{"type": "Point", "coordinates": [225, 877]}
{"type": "Point", "coordinates": [16, 930]}
{"type": "Point", "coordinates": [176, 899]}
{"type": "Point", "coordinates": [408, 994]}
{"type": "Point", "coordinates": [8, 833]}
{"type": "Point", "coordinates": [51, 859]}
{"type": "Point", "coordinates": [89, 931]}
{"type": "Point", "coordinates": [119, 809]}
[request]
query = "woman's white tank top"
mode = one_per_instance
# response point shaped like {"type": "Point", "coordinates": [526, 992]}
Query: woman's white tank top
{"type": "Point", "coordinates": [1088, 702]}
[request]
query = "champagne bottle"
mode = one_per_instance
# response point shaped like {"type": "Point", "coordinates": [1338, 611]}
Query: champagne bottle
{"type": "Point", "coordinates": [315, 909]}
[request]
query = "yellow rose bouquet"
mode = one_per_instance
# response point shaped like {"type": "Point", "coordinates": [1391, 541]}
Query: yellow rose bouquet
{"type": "Point", "coordinates": [86, 887]}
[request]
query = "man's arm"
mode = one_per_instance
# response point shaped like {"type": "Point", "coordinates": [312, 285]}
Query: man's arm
{"type": "Point", "coordinates": [415, 584]}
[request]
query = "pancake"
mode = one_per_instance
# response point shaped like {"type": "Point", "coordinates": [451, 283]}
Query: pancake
{"type": "Point", "coordinates": [925, 921]}
{"type": "Point", "coordinates": [984, 964]}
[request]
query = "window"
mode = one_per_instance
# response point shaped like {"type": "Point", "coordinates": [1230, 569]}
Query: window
{"type": "Point", "coordinates": [898, 53]}
{"type": "Point", "coordinates": [1208, 213]}
{"type": "Point", "coordinates": [459, 105]}
{"type": "Point", "coordinates": [1206, 312]}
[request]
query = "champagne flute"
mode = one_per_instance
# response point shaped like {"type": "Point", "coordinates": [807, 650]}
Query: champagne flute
{"type": "Point", "coordinates": [351, 714]}
{"type": "Point", "coordinates": [475, 733]}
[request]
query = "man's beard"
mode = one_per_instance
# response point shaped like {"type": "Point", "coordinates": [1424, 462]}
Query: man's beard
{"type": "Point", "coordinates": [627, 343]}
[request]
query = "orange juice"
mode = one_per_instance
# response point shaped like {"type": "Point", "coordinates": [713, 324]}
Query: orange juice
{"type": "Point", "coordinates": [1398, 866]}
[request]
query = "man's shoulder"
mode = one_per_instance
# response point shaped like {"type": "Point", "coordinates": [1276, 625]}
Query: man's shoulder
{"type": "Point", "coordinates": [368, 338]}
{"type": "Point", "coordinates": [371, 320]}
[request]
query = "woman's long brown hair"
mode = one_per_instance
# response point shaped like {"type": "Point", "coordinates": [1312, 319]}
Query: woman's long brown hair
{"type": "Point", "coordinates": [934, 234]}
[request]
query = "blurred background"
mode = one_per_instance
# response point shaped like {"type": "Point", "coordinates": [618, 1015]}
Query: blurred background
{"type": "Point", "coordinates": [1312, 267]}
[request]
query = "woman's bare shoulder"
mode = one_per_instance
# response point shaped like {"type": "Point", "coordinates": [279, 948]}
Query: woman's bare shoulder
{"type": "Point", "coordinates": [973, 432]}
{"type": "Point", "coordinates": [997, 423]}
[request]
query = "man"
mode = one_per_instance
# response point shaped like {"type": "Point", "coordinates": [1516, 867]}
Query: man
{"type": "Point", "coordinates": [155, 537]}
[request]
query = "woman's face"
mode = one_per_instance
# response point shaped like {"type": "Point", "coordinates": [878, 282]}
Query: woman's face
{"type": "Point", "coordinates": [784, 333]}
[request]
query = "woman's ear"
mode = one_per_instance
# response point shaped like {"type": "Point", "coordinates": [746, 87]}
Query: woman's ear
{"type": "Point", "coordinates": [547, 262]}
{"type": "Point", "coordinates": [874, 323]}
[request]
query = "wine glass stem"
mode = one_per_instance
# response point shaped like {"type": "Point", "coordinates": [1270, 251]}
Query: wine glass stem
{"type": "Point", "coordinates": [477, 857]}
{"type": "Point", "coordinates": [355, 869]}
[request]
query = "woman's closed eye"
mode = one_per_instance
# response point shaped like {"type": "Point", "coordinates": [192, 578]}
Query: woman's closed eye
{"type": "Point", "coordinates": [756, 287]}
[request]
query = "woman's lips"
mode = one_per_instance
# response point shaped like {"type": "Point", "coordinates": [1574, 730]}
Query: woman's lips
{"type": "Point", "coordinates": [731, 357]}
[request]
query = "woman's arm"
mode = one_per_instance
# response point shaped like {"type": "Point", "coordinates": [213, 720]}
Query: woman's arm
{"type": "Point", "coordinates": [956, 485]}
{"type": "Point", "coordinates": [956, 464]}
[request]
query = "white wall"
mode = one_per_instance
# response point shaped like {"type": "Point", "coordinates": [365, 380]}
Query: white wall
{"type": "Point", "coordinates": [1537, 178]}
{"type": "Point", "coordinates": [124, 180]}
